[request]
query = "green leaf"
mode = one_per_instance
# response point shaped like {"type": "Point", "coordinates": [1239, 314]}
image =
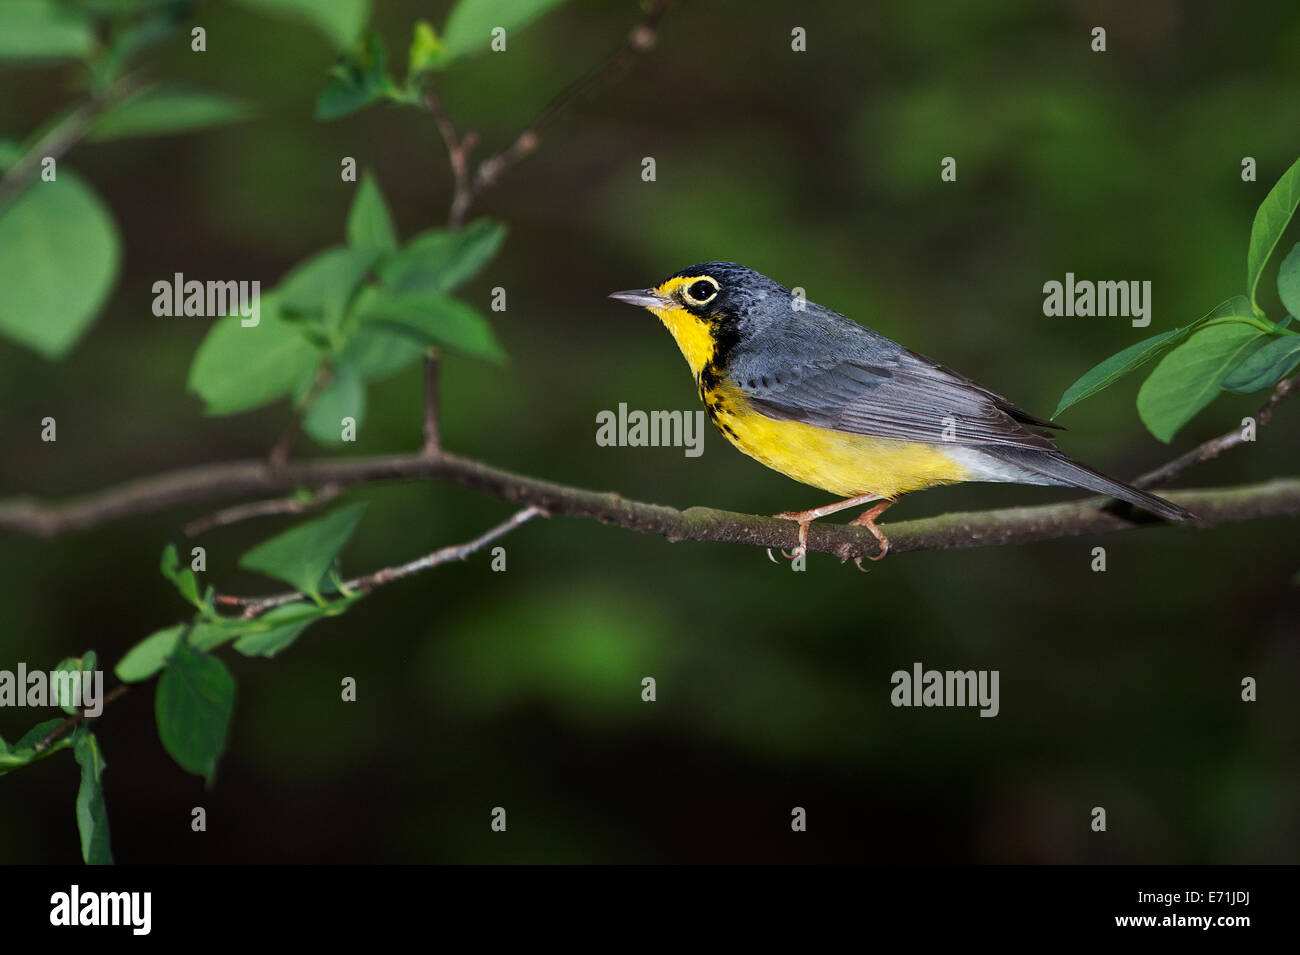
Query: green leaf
{"type": "Point", "coordinates": [43, 30]}
{"type": "Point", "coordinates": [340, 20]}
{"type": "Point", "coordinates": [184, 579]}
{"type": "Point", "coordinates": [437, 320]}
{"type": "Point", "coordinates": [277, 629]}
{"type": "Point", "coordinates": [150, 655]}
{"type": "Point", "coordinates": [376, 350]}
{"type": "Point", "coordinates": [358, 80]}
{"type": "Point", "coordinates": [1271, 220]}
{"type": "Point", "coordinates": [196, 696]}
{"type": "Point", "coordinates": [426, 52]}
{"type": "Point", "coordinates": [1265, 366]}
{"type": "Point", "coordinates": [92, 812]}
{"type": "Point", "coordinates": [1106, 373]}
{"type": "Point", "coordinates": [160, 112]}
{"type": "Point", "coordinates": [301, 556]}
{"type": "Point", "coordinates": [471, 22]}
{"type": "Point", "coordinates": [77, 666]}
{"type": "Point", "coordinates": [322, 287]}
{"type": "Point", "coordinates": [24, 751]}
{"type": "Point", "coordinates": [343, 397]}
{"type": "Point", "coordinates": [1188, 378]}
{"type": "Point", "coordinates": [238, 368]}
{"type": "Point", "coordinates": [440, 260]}
{"type": "Point", "coordinates": [1288, 280]}
{"type": "Point", "coordinates": [59, 257]}
{"type": "Point", "coordinates": [370, 226]}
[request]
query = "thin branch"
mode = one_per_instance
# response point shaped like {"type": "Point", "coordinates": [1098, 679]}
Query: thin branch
{"type": "Point", "coordinates": [432, 438]}
{"type": "Point", "coordinates": [251, 478]}
{"type": "Point", "coordinates": [62, 137]}
{"type": "Point", "coordinates": [243, 512]}
{"type": "Point", "coordinates": [279, 454]}
{"type": "Point", "coordinates": [72, 721]}
{"type": "Point", "coordinates": [468, 186]}
{"type": "Point", "coordinates": [1216, 446]}
{"type": "Point", "coordinates": [256, 606]}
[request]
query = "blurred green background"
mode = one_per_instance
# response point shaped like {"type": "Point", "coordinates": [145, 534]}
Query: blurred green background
{"type": "Point", "coordinates": [820, 169]}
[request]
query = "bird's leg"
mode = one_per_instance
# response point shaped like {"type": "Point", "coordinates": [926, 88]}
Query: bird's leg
{"type": "Point", "coordinates": [867, 519]}
{"type": "Point", "coordinates": [805, 518]}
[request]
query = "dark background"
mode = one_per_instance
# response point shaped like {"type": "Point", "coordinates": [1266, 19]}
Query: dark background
{"type": "Point", "coordinates": [821, 169]}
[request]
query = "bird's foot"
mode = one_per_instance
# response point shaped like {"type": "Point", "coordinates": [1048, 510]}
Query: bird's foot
{"type": "Point", "coordinates": [867, 519]}
{"type": "Point", "coordinates": [804, 521]}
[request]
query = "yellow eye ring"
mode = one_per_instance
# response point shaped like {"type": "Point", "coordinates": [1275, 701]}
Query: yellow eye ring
{"type": "Point", "coordinates": [702, 291]}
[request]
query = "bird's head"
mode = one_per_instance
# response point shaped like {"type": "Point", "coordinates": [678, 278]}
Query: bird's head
{"type": "Point", "coordinates": [704, 305]}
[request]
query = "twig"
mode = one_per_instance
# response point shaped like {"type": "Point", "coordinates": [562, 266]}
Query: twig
{"type": "Point", "coordinates": [1216, 446]}
{"type": "Point", "coordinates": [468, 186]}
{"type": "Point", "coordinates": [250, 478]}
{"type": "Point", "coordinates": [279, 454]}
{"type": "Point", "coordinates": [432, 438]}
{"type": "Point", "coordinates": [62, 137]}
{"type": "Point", "coordinates": [72, 721]}
{"type": "Point", "coordinates": [243, 512]}
{"type": "Point", "coordinates": [256, 606]}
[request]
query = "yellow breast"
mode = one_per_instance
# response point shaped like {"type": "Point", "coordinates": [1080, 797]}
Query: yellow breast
{"type": "Point", "coordinates": [835, 461]}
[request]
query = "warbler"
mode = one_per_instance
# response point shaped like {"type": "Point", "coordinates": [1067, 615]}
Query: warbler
{"type": "Point", "coordinates": [832, 404]}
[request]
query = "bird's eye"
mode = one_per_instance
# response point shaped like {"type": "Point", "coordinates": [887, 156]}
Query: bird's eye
{"type": "Point", "coordinates": [701, 291]}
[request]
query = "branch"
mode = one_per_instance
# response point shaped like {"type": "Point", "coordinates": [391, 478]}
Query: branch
{"type": "Point", "coordinates": [256, 606]}
{"type": "Point", "coordinates": [243, 512]}
{"type": "Point", "coordinates": [62, 137]}
{"type": "Point", "coordinates": [72, 721]}
{"type": "Point", "coordinates": [1278, 498]}
{"type": "Point", "coordinates": [1215, 446]}
{"type": "Point", "coordinates": [469, 185]}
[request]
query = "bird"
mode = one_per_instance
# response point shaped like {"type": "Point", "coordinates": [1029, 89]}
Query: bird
{"type": "Point", "coordinates": [837, 406]}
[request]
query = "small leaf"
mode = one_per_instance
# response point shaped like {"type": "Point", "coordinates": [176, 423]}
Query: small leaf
{"type": "Point", "coordinates": [43, 30]}
{"type": "Point", "coordinates": [1271, 220]}
{"type": "Point", "coordinates": [237, 368]}
{"type": "Point", "coordinates": [343, 397]}
{"type": "Point", "coordinates": [426, 52]}
{"type": "Point", "coordinates": [437, 320]}
{"type": "Point", "coordinates": [340, 20]}
{"type": "Point", "coordinates": [471, 22]}
{"type": "Point", "coordinates": [1188, 378]}
{"type": "Point", "coordinates": [322, 287]}
{"type": "Point", "coordinates": [369, 223]}
{"type": "Point", "coordinates": [92, 812]}
{"type": "Point", "coordinates": [376, 350]}
{"type": "Point", "coordinates": [358, 80]}
{"type": "Point", "coordinates": [1288, 281]}
{"type": "Point", "coordinates": [440, 260]}
{"type": "Point", "coordinates": [195, 699]}
{"type": "Point", "coordinates": [162, 112]}
{"type": "Point", "coordinates": [59, 258]}
{"type": "Point", "coordinates": [1107, 372]}
{"type": "Point", "coordinates": [302, 556]}
{"type": "Point", "coordinates": [279, 628]}
{"type": "Point", "coordinates": [150, 655]}
{"type": "Point", "coordinates": [1265, 366]}
{"type": "Point", "coordinates": [24, 751]}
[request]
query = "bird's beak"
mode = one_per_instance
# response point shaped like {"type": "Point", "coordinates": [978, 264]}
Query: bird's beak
{"type": "Point", "coordinates": [645, 297]}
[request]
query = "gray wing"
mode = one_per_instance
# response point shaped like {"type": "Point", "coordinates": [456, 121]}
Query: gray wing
{"type": "Point", "coordinates": [829, 371]}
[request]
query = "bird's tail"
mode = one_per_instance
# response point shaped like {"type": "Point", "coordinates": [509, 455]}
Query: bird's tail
{"type": "Point", "coordinates": [1058, 467]}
